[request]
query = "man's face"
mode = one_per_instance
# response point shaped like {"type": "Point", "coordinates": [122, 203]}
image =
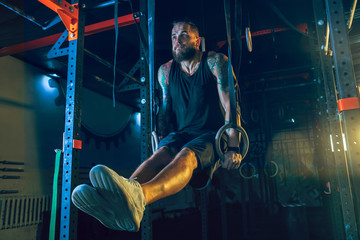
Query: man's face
{"type": "Point", "coordinates": [184, 42]}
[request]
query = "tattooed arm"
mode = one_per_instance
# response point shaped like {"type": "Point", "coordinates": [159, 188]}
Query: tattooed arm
{"type": "Point", "coordinates": [218, 64]}
{"type": "Point", "coordinates": [164, 123]}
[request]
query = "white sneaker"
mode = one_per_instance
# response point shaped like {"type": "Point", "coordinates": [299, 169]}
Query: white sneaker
{"type": "Point", "coordinates": [88, 200]}
{"type": "Point", "coordinates": [124, 198]}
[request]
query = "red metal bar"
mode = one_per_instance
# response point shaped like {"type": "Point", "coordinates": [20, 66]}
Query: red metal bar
{"type": "Point", "coordinates": [50, 40]}
{"type": "Point", "coordinates": [110, 24]}
{"type": "Point", "coordinates": [302, 27]}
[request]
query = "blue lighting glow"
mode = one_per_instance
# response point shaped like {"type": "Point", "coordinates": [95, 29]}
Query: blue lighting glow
{"type": "Point", "coordinates": [54, 75]}
{"type": "Point", "coordinates": [48, 84]}
{"type": "Point", "coordinates": [137, 118]}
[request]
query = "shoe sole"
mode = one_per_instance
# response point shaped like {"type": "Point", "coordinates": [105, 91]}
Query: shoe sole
{"type": "Point", "coordinates": [88, 200]}
{"type": "Point", "coordinates": [106, 182]}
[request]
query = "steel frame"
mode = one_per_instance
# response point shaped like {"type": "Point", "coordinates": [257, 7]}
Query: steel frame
{"type": "Point", "coordinates": [68, 13]}
{"type": "Point", "coordinates": [329, 124]}
{"type": "Point", "coordinates": [72, 138]}
{"type": "Point", "coordinates": [346, 86]}
{"type": "Point", "coordinates": [72, 142]}
{"type": "Point", "coordinates": [342, 157]}
{"type": "Point", "coordinates": [146, 74]}
{"type": "Point", "coordinates": [121, 86]}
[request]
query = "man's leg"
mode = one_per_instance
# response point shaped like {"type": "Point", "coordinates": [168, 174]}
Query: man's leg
{"type": "Point", "coordinates": [122, 201]}
{"type": "Point", "coordinates": [152, 166]}
{"type": "Point", "coordinates": [171, 179]}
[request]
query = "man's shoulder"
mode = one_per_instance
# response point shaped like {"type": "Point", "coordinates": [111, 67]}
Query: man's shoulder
{"type": "Point", "coordinates": [212, 55]}
{"type": "Point", "coordinates": [166, 66]}
{"type": "Point", "coordinates": [215, 61]}
{"type": "Point", "coordinates": [164, 72]}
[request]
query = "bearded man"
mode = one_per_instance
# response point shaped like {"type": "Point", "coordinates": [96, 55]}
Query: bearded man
{"type": "Point", "coordinates": [195, 105]}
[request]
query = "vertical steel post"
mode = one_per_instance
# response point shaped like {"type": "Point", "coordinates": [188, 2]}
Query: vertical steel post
{"type": "Point", "coordinates": [146, 226]}
{"type": "Point", "coordinates": [68, 219]}
{"type": "Point", "coordinates": [348, 150]}
{"type": "Point", "coordinates": [74, 20]}
{"type": "Point", "coordinates": [151, 41]}
{"type": "Point", "coordinates": [328, 123]}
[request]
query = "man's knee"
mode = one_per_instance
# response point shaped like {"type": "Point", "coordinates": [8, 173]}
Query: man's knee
{"type": "Point", "coordinates": [161, 156]}
{"type": "Point", "coordinates": [167, 150]}
{"type": "Point", "coordinates": [190, 156]}
{"type": "Point", "coordinates": [187, 151]}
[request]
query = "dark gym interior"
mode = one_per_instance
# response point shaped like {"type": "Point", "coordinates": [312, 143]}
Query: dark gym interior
{"type": "Point", "coordinates": [300, 178]}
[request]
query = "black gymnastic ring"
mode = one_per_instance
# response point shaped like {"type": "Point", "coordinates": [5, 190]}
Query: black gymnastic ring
{"type": "Point", "coordinates": [252, 174]}
{"type": "Point", "coordinates": [219, 134]}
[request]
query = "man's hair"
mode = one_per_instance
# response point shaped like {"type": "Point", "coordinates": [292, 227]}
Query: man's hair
{"type": "Point", "coordinates": [194, 28]}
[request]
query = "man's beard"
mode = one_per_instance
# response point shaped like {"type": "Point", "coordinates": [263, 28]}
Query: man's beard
{"type": "Point", "coordinates": [186, 53]}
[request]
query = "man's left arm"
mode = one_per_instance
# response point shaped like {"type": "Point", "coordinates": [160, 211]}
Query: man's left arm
{"type": "Point", "coordinates": [218, 64]}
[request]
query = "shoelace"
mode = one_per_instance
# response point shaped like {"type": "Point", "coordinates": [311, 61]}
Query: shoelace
{"type": "Point", "coordinates": [133, 182]}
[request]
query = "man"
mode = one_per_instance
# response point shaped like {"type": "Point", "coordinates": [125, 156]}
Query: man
{"type": "Point", "coordinates": [195, 92]}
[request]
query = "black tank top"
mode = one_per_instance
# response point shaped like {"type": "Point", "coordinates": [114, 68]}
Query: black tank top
{"type": "Point", "coordinates": [195, 99]}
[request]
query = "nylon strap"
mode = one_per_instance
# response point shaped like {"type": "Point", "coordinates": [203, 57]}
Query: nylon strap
{"type": "Point", "coordinates": [54, 195]}
{"type": "Point", "coordinates": [116, 9]}
{"type": "Point", "coordinates": [232, 95]}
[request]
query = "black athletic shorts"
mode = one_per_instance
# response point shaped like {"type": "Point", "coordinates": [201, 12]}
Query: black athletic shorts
{"type": "Point", "coordinates": [202, 144]}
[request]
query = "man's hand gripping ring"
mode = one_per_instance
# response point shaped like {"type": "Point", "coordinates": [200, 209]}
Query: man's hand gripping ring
{"type": "Point", "coordinates": [244, 137]}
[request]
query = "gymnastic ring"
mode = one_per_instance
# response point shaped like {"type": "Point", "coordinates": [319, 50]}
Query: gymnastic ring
{"type": "Point", "coordinates": [154, 141]}
{"type": "Point", "coordinates": [276, 170]}
{"type": "Point", "coordinates": [251, 175]}
{"type": "Point", "coordinates": [219, 134]}
{"type": "Point", "coordinates": [248, 39]}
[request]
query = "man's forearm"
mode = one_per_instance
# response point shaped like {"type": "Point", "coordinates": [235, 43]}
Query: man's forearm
{"type": "Point", "coordinates": [234, 135]}
{"type": "Point", "coordinates": [164, 124]}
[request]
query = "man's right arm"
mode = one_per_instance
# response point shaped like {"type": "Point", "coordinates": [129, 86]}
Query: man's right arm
{"type": "Point", "coordinates": [164, 124]}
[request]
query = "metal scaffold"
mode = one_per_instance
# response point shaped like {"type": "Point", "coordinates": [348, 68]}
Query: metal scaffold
{"type": "Point", "coordinates": [341, 102]}
{"type": "Point", "coordinates": [74, 21]}
{"type": "Point", "coordinates": [73, 18]}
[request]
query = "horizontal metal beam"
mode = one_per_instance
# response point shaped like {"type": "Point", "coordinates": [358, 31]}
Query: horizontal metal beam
{"type": "Point", "coordinates": [50, 40]}
{"type": "Point", "coordinates": [111, 66]}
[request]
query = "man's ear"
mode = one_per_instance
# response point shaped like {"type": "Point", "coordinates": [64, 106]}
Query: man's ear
{"type": "Point", "coordinates": [198, 41]}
